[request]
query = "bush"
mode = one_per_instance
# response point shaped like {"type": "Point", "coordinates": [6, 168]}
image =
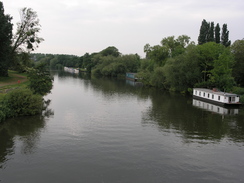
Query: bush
{"type": "Point", "coordinates": [20, 102]}
{"type": "Point", "coordinates": [40, 80]}
{"type": "Point", "coordinates": [238, 90]}
{"type": "Point", "coordinates": [242, 99]}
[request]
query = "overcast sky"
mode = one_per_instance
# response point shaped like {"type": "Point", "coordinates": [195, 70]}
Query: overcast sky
{"type": "Point", "coordinates": [80, 26]}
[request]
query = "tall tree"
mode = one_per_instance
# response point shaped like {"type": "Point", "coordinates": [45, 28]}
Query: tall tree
{"type": "Point", "coordinates": [147, 50]}
{"type": "Point", "coordinates": [237, 48]}
{"type": "Point", "coordinates": [204, 32]}
{"type": "Point", "coordinates": [225, 36]}
{"type": "Point", "coordinates": [217, 33]}
{"type": "Point", "coordinates": [5, 41]}
{"type": "Point", "coordinates": [211, 33]}
{"type": "Point", "coordinates": [26, 37]}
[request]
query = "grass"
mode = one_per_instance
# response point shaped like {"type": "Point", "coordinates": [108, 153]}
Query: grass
{"type": "Point", "coordinates": [15, 80]}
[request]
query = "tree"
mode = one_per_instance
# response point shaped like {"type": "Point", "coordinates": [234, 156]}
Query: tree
{"type": "Point", "coordinates": [211, 33]}
{"type": "Point", "coordinates": [208, 53]}
{"type": "Point", "coordinates": [217, 34]}
{"type": "Point", "coordinates": [26, 37]}
{"type": "Point", "coordinates": [221, 74]}
{"type": "Point", "coordinates": [40, 80]}
{"type": "Point", "coordinates": [111, 50]}
{"type": "Point", "coordinates": [131, 62]}
{"type": "Point", "coordinates": [5, 41]}
{"type": "Point", "coordinates": [183, 71]}
{"type": "Point", "coordinates": [237, 49]}
{"type": "Point", "coordinates": [225, 36]}
{"type": "Point", "coordinates": [204, 31]}
{"type": "Point", "coordinates": [159, 54]}
{"type": "Point", "coordinates": [147, 50]}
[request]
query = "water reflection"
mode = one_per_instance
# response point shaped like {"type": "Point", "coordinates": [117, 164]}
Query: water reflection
{"type": "Point", "coordinates": [175, 113]}
{"type": "Point", "coordinates": [172, 112]}
{"type": "Point", "coordinates": [215, 108]}
{"type": "Point", "coordinates": [134, 83]}
{"type": "Point", "coordinates": [63, 74]}
{"type": "Point", "coordinates": [26, 129]}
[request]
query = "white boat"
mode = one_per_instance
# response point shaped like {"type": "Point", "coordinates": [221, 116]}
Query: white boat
{"type": "Point", "coordinates": [71, 70]}
{"type": "Point", "coordinates": [215, 96]}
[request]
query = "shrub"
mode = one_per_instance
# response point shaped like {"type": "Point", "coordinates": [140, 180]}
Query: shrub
{"type": "Point", "coordinates": [40, 80]}
{"type": "Point", "coordinates": [242, 99]}
{"type": "Point", "coordinates": [21, 102]}
{"type": "Point", "coordinates": [238, 90]}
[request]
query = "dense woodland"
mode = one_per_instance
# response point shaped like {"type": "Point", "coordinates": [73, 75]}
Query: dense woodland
{"type": "Point", "coordinates": [176, 64]}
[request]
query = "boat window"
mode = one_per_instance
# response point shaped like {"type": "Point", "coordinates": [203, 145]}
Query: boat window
{"type": "Point", "coordinates": [219, 98]}
{"type": "Point", "coordinates": [199, 93]}
{"type": "Point", "coordinates": [195, 92]}
{"type": "Point", "coordinates": [208, 95]}
{"type": "Point", "coordinates": [212, 96]}
{"type": "Point", "coordinates": [204, 94]}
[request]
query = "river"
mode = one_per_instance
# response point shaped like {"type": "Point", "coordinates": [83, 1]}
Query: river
{"type": "Point", "coordinates": [98, 130]}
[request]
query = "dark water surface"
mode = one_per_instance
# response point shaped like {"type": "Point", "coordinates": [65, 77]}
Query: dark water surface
{"type": "Point", "coordinates": [113, 131]}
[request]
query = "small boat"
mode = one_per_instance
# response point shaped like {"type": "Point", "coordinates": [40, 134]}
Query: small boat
{"type": "Point", "coordinates": [217, 97]}
{"type": "Point", "coordinates": [131, 76]}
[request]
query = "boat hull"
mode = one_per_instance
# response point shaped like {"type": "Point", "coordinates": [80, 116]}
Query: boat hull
{"type": "Point", "coordinates": [215, 102]}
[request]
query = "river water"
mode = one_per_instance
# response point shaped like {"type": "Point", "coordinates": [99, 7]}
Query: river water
{"type": "Point", "coordinates": [116, 131]}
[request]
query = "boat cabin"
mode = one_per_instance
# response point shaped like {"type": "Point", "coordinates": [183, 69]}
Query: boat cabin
{"type": "Point", "coordinates": [216, 96]}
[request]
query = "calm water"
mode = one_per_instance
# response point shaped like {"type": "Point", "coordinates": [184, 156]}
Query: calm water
{"type": "Point", "coordinates": [112, 131]}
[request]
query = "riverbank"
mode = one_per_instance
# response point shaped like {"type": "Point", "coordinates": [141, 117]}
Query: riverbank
{"type": "Point", "coordinates": [15, 80]}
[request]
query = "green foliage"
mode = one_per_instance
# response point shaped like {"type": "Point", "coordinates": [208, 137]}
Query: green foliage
{"type": "Point", "coordinates": [145, 76]}
{"type": "Point", "coordinates": [208, 52]}
{"type": "Point", "coordinates": [130, 62]}
{"type": "Point", "coordinates": [20, 102]}
{"type": "Point", "coordinates": [21, 62]}
{"type": "Point", "coordinates": [26, 37]}
{"type": "Point", "coordinates": [217, 34]}
{"type": "Point", "coordinates": [238, 90]}
{"type": "Point", "coordinates": [225, 36]}
{"type": "Point", "coordinates": [242, 99]}
{"type": "Point", "coordinates": [237, 49]}
{"type": "Point", "coordinates": [40, 80]}
{"type": "Point", "coordinates": [187, 65]}
{"type": "Point", "coordinates": [157, 78]}
{"type": "Point", "coordinates": [111, 50]}
{"type": "Point", "coordinates": [204, 32]}
{"type": "Point", "coordinates": [5, 41]}
{"type": "Point", "coordinates": [209, 33]}
{"type": "Point", "coordinates": [221, 74]}
{"type": "Point", "coordinates": [211, 37]}
{"type": "Point", "coordinates": [158, 55]}
{"type": "Point", "coordinates": [113, 66]}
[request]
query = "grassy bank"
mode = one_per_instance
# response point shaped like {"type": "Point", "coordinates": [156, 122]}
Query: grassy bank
{"type": "Point", "coordinates": [15, 80]}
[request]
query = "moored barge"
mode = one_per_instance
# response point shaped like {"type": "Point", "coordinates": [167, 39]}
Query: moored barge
{"type": "Point", "coordinates": [217, 97]}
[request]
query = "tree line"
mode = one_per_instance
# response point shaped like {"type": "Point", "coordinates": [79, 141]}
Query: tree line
{"type": "Point", "coordinates": [176, 64]}
{"type": "Point", "coordinates": [211, 33]}
{"type": "Point", "coordinates": [108, 62]}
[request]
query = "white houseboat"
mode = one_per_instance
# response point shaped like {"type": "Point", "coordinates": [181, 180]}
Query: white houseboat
{"type": "Point", "coordinates": [71, 70]}
{"type": "Point", "coordinates": [215, 96]}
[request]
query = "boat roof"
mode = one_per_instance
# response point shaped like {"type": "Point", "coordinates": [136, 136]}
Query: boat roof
{"type": "Point", "coordinates": [215, 92]}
